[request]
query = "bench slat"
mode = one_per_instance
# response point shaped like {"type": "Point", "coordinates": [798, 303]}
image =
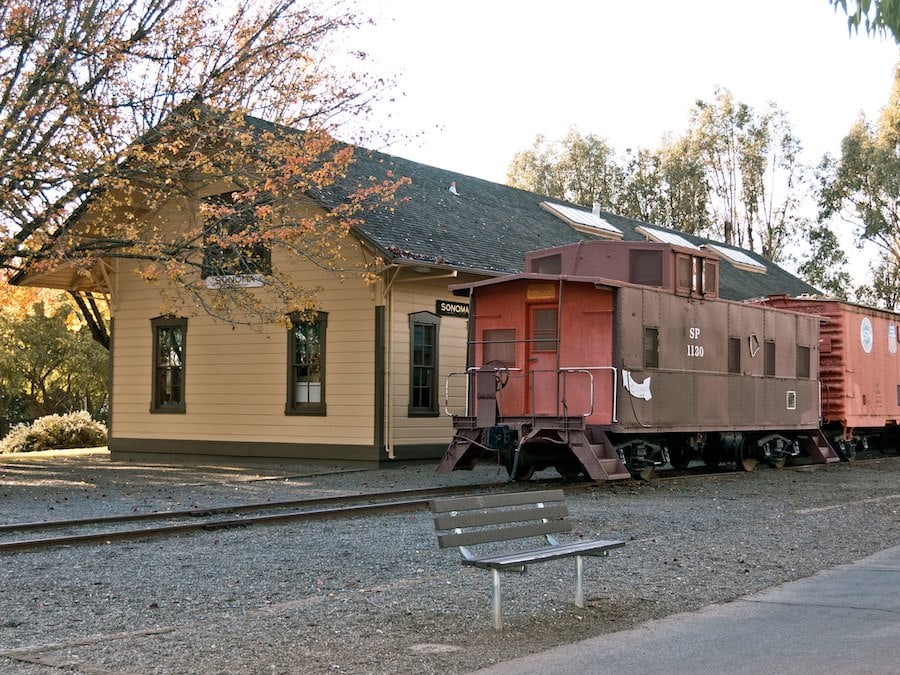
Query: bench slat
{"type": "Point", "coordinates": [447, 504]}
{"type": "Point", "coordinates": [485, 518]}
{"type": "Point", "coordinates": [474, 537]}
{"type": "Point", "coordinates": [545, 553]}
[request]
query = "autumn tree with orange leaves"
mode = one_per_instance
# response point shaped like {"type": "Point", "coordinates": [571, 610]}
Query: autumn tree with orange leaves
{"type": "Point", "coordinates": [111, 109]}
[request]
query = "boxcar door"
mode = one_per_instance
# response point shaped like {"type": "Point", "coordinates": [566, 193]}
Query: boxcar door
{"type": "Point", "coordinates": [542, 361]}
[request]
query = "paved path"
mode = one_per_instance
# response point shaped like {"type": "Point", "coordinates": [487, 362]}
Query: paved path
{"type": "Point", "coordinates": [842, 620]}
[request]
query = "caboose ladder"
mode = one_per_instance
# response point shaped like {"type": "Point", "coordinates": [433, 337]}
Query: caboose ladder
{"type": "Point", "coordinates": [599, 457]}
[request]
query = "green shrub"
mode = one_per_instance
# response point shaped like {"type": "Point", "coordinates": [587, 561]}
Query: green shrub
{"type": "Point", "coordinates": [55, 432]}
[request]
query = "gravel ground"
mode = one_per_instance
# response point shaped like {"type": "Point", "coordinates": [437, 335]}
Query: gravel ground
{"type": "Point", "coordinates": [375, 594]}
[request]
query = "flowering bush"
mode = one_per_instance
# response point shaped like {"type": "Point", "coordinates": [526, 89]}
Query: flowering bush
{"type": "Point", "coordinates": [55, 432]}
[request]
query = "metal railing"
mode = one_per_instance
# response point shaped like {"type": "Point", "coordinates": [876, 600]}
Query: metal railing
{"type": "Point", "coordinates": [561, 380]}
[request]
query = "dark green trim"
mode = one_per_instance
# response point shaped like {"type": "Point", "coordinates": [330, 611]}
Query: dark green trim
{"type": "Point", "coordinates": [380, 378]}
{"type": "Point", "coordinates": [163, 446]}
{"type": "Point", "coordinates": [291, 406]}
{"type": "Point", "coordinates": [420, 451]}
{"type": "Point", "coordinates": [180, 407]}
{"type": "Point", "coordinates": [109, 377]}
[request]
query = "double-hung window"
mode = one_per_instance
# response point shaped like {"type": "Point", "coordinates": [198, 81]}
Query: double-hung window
{"type": "Point", "coordinates": [232, 247]}
{"type": "Point", "coordinates": [169, 338]}
{"type": "Point", "coordinates": [306, 359]}
{"type": "Point", "coordinates": [423, 368]}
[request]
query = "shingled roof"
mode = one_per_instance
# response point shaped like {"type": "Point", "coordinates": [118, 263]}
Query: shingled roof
{"type": "Point", "coordinates": [488, 227]}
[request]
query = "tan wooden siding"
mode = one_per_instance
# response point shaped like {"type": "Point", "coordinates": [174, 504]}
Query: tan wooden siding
{"type": "Point", "coordinates": [407, 299]}
{"type": "Point", "coordinates": [236, 379]}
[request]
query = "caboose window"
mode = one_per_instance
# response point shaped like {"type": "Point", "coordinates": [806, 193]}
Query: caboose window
{"type": "Point", "coordinates": [710, 278]}
{"type": "Point", "coordinates": [684, 273]}
{"type": "Point", "coordinates": [734, 355]}
{"type": "Point", "coordinates": [770, 358]}
{"type": "Point", "coordinates": [651, 347]}
{"type": "Point", "coordinates": [500, 346]}
{"type": "Point", "coordinates": [803, 369]}
{"type": "Point", "coordinates": [551, 264]}
{"type": "Point", "coordinates": [544, 330]}
{"type": "Point", "coordinates": [645, 267]}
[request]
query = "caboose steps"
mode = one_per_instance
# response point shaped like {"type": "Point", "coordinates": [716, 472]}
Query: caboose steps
{"type": "Point", "coordinates": [599, 458]}
{"type": "Point", "coordinates": [818, 448]}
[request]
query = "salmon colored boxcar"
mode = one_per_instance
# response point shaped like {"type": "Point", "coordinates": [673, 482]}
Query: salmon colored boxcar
{"type": "Point", "coordinates": [859, 370]}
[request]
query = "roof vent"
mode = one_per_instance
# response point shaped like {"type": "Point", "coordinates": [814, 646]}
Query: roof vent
{"type": "Point", "coordinates": [453, 189]}
{"type": "Point", "coordinates": [596, 210]}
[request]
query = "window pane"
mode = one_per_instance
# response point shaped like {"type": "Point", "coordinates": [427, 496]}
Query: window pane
{"type": "Point", "coordinates": [168, 357]}
{"type": "Point", "coordinates": [770, 358]}
{"type": "Point", "coordinates": [645, 267]}
{"type": "Point", "coordinates": [500, 346]}
{"type": "Point", "coordinates": [307, 380]}
{"type": "Point", "coordinates": [651, 347]}
{"type": "Point", "coordinates": [544, 330]}
{"type": "Point", "coordinates": [803, 364]}
{"type": "Point", "coordinates": [423, 365]}
{"type": "Point", "coordinates": [734, 355]}
{"type": "Point", "coordinates": [224, 254]}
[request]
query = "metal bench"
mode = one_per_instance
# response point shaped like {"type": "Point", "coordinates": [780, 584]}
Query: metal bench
{"type": "Point", "coordinates": [469, 521]}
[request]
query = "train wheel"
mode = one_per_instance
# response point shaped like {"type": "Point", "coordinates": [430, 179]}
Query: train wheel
{"type": "Point", "coordinates": [846, 450]}
{"type": "Point", "coordinates": [520, 472]}
{"type": "Point", "coordinates": [569, 472]}
{"type": "Point", "coordinates": [679, 455]}
{"type": "Point", "coordinates": [524, 473]}
{"type": "Point", "coordinates": [779, 461]}
{"type": "Point", "coordinates": [745, 457]}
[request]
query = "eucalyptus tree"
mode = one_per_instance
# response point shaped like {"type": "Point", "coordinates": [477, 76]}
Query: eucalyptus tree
{"type": "Point", "coordinates": [747, 171]}
{"type": "Point", "coordinates": [862, 189]}
{"type": "Point", "coordinates": [580, 168]}
{"type": "Point", "coordinates": [876, 16]}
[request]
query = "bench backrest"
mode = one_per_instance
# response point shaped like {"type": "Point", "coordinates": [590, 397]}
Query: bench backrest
{"type": "Point", "coordinates": [468, 521]}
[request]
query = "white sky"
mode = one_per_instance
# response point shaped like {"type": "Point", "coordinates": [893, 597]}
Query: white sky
{"type": "Point", "coordinates": [481, 78]}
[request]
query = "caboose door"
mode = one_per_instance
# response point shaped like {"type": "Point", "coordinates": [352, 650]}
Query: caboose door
{"type": "Point", "coordinates": [542, 360]}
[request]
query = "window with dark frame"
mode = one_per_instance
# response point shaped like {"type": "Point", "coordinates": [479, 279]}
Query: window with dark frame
{"type": "Point", "coordinates": [227, 221]}
{"type": "Point", "coordinates": [423, 367]}
{"type": "Point", "coordinates": [651, 347]}
{"type": "Point", "coordinates": [169, 338]}
{"type": "Point", "coordinates": [734, 355]}
{"type": "Point", "coordinates": [769, 358]}
{"type": "Point", "coordinates": [803, 362]}
{"type": "Point", "coordinates": [306, 358]}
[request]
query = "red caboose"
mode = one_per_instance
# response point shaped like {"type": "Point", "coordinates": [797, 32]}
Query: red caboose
{"type": "Point", "coordinates": [859, 369]}
{"type": "Point", "coordinates": [610, 357]}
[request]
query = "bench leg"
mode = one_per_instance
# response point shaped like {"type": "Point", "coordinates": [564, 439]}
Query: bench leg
{"type": "Point", "coordinates": [498, 623]}
{"type": "Point", "coordinates": [579, 584]}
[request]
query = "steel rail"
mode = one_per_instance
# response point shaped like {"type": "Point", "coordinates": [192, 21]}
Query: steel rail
{"type": "Point", "coordinates": [361, 505]}
{"type": "Point", "coordinates": [236, 508]}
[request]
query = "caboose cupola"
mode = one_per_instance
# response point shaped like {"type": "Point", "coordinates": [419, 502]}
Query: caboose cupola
{"type": "Point", "coordinates": [685, 271]}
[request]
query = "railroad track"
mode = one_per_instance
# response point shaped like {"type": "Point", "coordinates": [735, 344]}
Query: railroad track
{"type": "Point", "coordinates": [20, 536]}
